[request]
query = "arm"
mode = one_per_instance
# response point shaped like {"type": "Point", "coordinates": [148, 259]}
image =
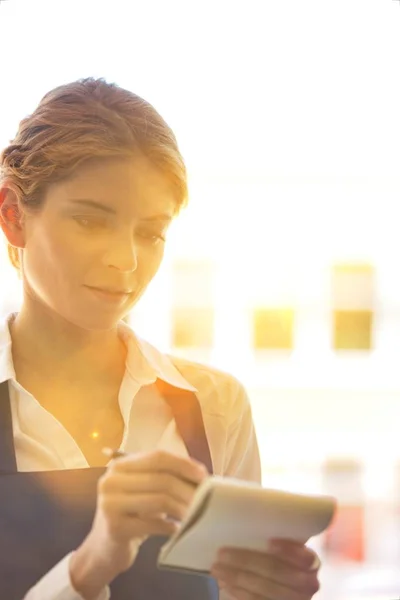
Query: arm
{"type": "Point", "coordinates": [57, 585]}
{"type": "Point", "coordinates": [287, 570]}
{"type": "Point", "coordinates": [242, 453]}
{"type": "Point", "coordinates": [136, 496]}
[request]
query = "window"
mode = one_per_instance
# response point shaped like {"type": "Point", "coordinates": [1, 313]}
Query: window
{"type": "Point", "coordinates": [345, 537]}
{"type": "Point", "coordinates": [193, 304]}
{"type": "Point", "coordinates": [352, 329]}
{"type": "Point", "coordinates": [353, 306]}
{"type": "Point", "coordinates": [273, 329]}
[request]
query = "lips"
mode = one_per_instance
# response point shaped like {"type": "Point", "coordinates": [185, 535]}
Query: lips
{"type": "Point", "coordinates": [110, 297]}
{"type": "Point", "coordinates": [111, 291]}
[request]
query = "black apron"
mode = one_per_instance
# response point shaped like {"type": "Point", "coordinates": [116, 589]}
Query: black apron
{"type": "Point", "coordinates": [45, 515]}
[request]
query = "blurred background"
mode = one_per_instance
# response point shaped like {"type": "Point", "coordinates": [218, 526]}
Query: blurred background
{"type": "Point", "coordinates": [285, 267]}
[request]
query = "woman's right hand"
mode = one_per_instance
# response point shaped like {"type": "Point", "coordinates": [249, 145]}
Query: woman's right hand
{"type": "Point", "coordinates": [139, 495]}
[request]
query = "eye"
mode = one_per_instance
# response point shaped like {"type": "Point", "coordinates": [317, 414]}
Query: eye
{"type": "Point", "coordinates": [90, 223]}
{"type": "Point", "coordinates": [151, 236]}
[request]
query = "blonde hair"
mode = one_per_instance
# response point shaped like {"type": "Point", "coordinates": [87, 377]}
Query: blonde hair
{"type": "Point", "coordinates": [82, 120]}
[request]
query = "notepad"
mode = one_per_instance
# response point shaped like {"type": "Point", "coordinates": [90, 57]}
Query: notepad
{"type": "Point", "coordinates": [228, 512]}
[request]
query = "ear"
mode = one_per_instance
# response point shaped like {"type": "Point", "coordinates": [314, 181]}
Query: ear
{"type": "Point", "coordinates": [11, 217]}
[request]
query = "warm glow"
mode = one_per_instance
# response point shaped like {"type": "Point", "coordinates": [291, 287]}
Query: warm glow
{"type": "Point", "coordinates": [291, 140]}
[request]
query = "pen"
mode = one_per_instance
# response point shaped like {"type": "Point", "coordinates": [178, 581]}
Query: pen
{"type": "Point", "coordinates": [113, 453]}
{"type": "Point", "coordinates": [119, 453]}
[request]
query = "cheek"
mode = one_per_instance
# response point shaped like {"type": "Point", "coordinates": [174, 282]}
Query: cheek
{"type": "Point", "coordinates": [148, 264]}
{"type": "Point", "coordinates": [48, 259]}
{"type": "Point", "coordinates": [148, 261]}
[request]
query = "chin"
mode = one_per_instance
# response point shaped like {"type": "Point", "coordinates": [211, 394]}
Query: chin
{"type": "Point", "coordinates": [93, 320]}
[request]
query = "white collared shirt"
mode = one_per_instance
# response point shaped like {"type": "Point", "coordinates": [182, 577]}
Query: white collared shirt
{"type": "Point", "coordinates": [42, 443]}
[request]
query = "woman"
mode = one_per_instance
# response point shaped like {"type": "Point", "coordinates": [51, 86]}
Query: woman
{"type": "Point", "coordinates": [88, 189]}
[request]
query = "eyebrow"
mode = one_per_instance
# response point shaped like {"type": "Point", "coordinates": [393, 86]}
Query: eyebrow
{"type": "Point", "coordinates": [94, 204]}
{"type": "Point", "coordinates": [103, 207]}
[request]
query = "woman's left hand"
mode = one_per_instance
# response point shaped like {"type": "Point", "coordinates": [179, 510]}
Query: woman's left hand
{"type": "Point", "coordinates": [287, 570]}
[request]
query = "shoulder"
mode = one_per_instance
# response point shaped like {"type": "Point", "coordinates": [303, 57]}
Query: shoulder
{"type": "Point", "coordinates": [218, 391]}
{"type": "Point", "coordinates": [228, 420]}
{"type": "Point", "coordinates": [225, 408]}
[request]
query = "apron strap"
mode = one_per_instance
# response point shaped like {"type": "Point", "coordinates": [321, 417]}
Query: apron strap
{"type": "Point", "coordinates": [186, 409]}
{"type": "Point", "coordinates": [8, 461]}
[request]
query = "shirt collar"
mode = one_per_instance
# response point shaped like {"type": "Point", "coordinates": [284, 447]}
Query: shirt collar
{"type": "Point", "coordinates": [144, 362]}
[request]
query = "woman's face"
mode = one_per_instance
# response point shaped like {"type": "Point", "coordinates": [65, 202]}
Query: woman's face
{"type": "Point", "coordinates": [98, 241]}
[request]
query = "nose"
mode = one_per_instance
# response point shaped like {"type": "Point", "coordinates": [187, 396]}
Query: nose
{"type": "Point", "coordinates": [122, 254]}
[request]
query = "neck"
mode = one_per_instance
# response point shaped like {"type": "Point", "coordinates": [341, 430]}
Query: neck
{"type": "Point", "coordinates": [45, 341]}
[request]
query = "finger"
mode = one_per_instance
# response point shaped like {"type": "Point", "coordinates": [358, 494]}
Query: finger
{"type": "Point", "coordinates": [236, 593]}
{"type": "Point", "coordinates": [161, 461]}
{"type": "Point", "coordinates": [131, 483]}
{"type": "Point", "coordinates": [267, 567]}
{"type": "Point", "coordinates": [135, 527]}
{"type": "Point", "coordinates": [294, 553]}
{"type": "Point", "coordinates": [143, 505]}
{"type": "Point", "coordinates": [249, 583]}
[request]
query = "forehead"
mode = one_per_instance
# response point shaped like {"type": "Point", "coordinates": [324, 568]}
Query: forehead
{"type": "Point", "coordinates": [134, 186]}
